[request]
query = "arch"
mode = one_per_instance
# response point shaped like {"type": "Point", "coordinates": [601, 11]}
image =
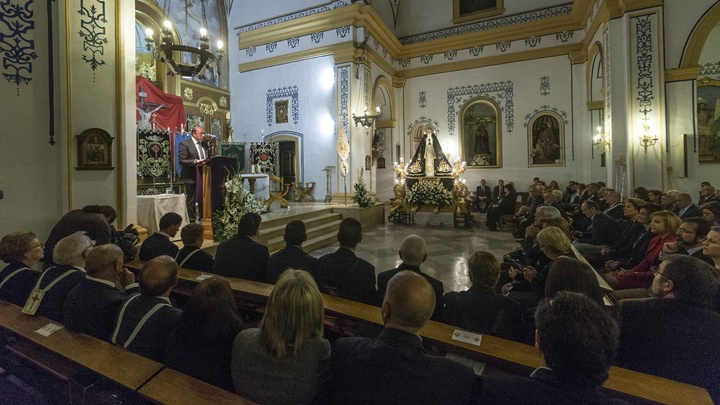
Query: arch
{"type": "Point", "coordinates": [696, 42]}
{"type": "Point", "coordinates": [546, 139]}
{"type": "Point", "coordinates": [296, 137]}
{"type": "Point", "coordinates": [415, 132]}
{"type": "Point", "coordinates": [382, 90]}
{"type": "Point", "coordinates": [593, 72]}
{"type": "Point", "coordinates": [480, 133]}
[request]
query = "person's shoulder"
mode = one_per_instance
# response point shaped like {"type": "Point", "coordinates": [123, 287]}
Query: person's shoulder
{"type": "Point", "coordinates": [246, 336]}
{"type": "Point", "coordinates": [387, 274]}
{"type": "Point", "coordinates": [350, 343]}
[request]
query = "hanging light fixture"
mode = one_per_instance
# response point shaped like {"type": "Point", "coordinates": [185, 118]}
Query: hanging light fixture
{"type": "Point", "coordinates": [647, 139]}
{"type": "Point", "coordinates": [366, 119]}
{"type": "Point", "coordinates": [601, 141]}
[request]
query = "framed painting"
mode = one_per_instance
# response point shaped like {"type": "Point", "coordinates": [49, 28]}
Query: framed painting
{"type": "Point", "coordinates": [193, 120]}
{"type": "Point", "coordinates": [94, 150]}
{"type": "Point", "coordinates": [546, 142]}
{"type": "Point", "coordinates": [480, 134]}
{"type": "Point", "coordinates": [216, 127]}
{"type": "Point", "coordinates": [468, 10]}
{"type": "Point", "coordinates": [708, 120]}
{"type": "Point", "coordinates": [281, 112]}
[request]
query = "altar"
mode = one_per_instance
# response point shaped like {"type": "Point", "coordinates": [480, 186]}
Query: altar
{"type": "Point", "coordinates": [258, 184]}
{"type": "Point", "coordinates": [150, 208]}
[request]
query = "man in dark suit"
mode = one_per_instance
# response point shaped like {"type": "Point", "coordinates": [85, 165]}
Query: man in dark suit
{"type": "Point", "coordinates": [690, 235]}
{"type": "Point", "coordinates": [191, 153]}
{"type": "Point", "coordinates": [343, 273]}
{"type": "Point", "coordinates": [483, 196]}
{"type": "Point", "coordinates": [413, 253]}
{"type": "Point", "coordinates": [535, 199]}
{"type": "Point", "coordinates": [394, 368]}
{"type": "Point", "coordinates": [292, 256]}
{"type": "Point", "coordinates": [191, 256]}
{"type": "Point", "coordinates": [159, 243]}
{"type": "Point", "coordinates": [242, 256]}
{"type": "Point", "coordinates": [147, 319]}
{"type": "Point", "coordinates": [686, 208]}
{"type": "Point", "coordinates": [615, 209]}
{"type": "Point", "coordinates": [578, 340]}
{"type": "Point", "coordinates": [506, 206]}
{"type": "Point", "coordinates": [707, 194]}
{"type": "Point", "coordinates": [498, 191]}
{"type": "Point", "coordinates": [91, 219]}
{"type": "Point", "coordinates": [92, 306]}
{"type": "Point", "coordinates": [675, 335]}
{"type": "Point", "coordinates": [603, 230]}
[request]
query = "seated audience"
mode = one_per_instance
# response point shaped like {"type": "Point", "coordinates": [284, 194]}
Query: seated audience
{"type": "Point", "coordinates": [707, 194]}
{"type": "Point", "coordinates": [711, 246]}
{"type": "Point", "coordinates": [146, 320]}
{"type": "Point", "coordinates": [480, 309]}
{"type": "Point", "coordinates": [689, 237]}
{"type": "Point", "coordinates": [641, 193]}
{"type": "Point", "coordinates": [578, 341]}
{"type": "Point", "coordinates": [630, 233]}
{"type": "Point", "coordinates": [413, 253]}
{"type": "Point", "coordinates": [568, 274]}
{"type": "Point", "coordinates": [675, 335]}
{"type": "Point", "coordinates": [242, 256]}
{"type": "Point", "coordinates": [534, 201]}
{"type": "Point", "coordinates": [711, 212]}
{"type": "Point", "coordinates": [159, 243]}
{"type": "Point", "coordinates": [630, 255]}
{"type": "Point", "coordinates": [93, 219]}
{"type": "Point", "coordinates": [282, 361]}
{"type": "Point", "coordinates": [615, 205]}
{"type": "Point", "coordinates": [670, 201]}
{"type": "Point", "coordinates": [685, 207]}
{"type": "Point", "coordinates": [21, 251]}
{"type": "Point", "coordinates": [191, 256]}
{"type": "Point", "coordinates": [483, 196]}
{"type": "Point", "coordinates": [664, 225]}
{"type": "Point", "coordinates": [92, 306]}
{"type": "Point", "coordinates": [603, 230]}
{"type": "Point", "coordinates": [48, 297]}
{"type": "Point", "coordinates": [505, 206]}
{"type": "Point", "coordinates": [201, 345]}
{"type": "Point", "coordinates": [553, 198]}
{"type": "Point", "coordinates": [342, 273]}
{"type": "Point", "coordinates": [655, 196]}
{"type": "Point", "coordinates": [292, 256]}
{"type": "Point", "coordinates": [394, 368]}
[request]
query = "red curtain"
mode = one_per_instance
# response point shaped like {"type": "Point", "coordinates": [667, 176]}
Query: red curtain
{"type": "Point", "coordinates": [171, 117]}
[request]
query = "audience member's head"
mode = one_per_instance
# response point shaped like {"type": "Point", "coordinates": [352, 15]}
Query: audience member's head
{"type": "Point", "coordinates": [413, 250]}
{"type": "Point", "coordinates": [577, 338]}
{"type": "Point", "coordinates": [711, 245]}
{"type": "Point", "coordinates": [295, 233]}
{"type": "Point", "coordinates": [170, 223]}
{"type": "Point", "coordinates": [192, 235]}
{"type": "Point", "coordinates": [294, 315]}
{"type": "Point", "coordinates": [632, 208]}
{"type": "Point", "coordinates": [409, 302]}
{"type": "Point", "coordinates": [612, 197]}
{"type": "Point", "coordinates": [104, 262]}
{"type": "Point", "coordinates": [558, 222]}
{"type": "Point", "coordinates": [692, 231]}
{"type": "Point", "coordinates": [349, 233]}
{"type": "Point", "coordinates": [568, 274]}
{"type": "Point", "coordinates": [21, 248]}
{"type": "Point", "coordinates": [545, 212]}
{"type": "Point", "coordinates": [558, 195]}
{"type": "Point", "coordinates": [72, 249]}
{"type": "Point", "coordinates": [711, 212]}
{"type": "Point", "coordinates": [158, 276]}
{"type": "Point", "coordinates": [553, 242]}
{"type": "Point", "coordinates": [211, 298]}
{"type": "Point", "coordinates": [646, 211]}
{"type": "Point", "coordinates": [664, 222]}
{"type": "Point", "coordinates": [249, 224]}
{"type": "Point", "coordinates": [590, 208]}
{"type": "Point", "coordinates": [483, 269]}
{"type": "Point", "coordinates": [654, 196]}
{"type": "Point", "coordinates": [554, 185]}
{"type": "Point", "coordinates": [641, 193]}
{"type": "Point", "coordinates": [549, 197]}
{"type": "Point", "coordinates": [687, 279]}
{"type": "Point", "coordinates": [671, 197]}
{"type": "Point", "coordinates": [707, 190]}
{"type": "Point", "coordinates": [509, 188]}
{"type": "Point", "coordinates": [683, 200]}
{"type": "Point", "coordinates": [105, 210]}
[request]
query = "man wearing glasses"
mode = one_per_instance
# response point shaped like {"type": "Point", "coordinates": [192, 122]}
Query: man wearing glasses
{"type": "Point", "coordinates": [690, 235]}
{"type": "Point", "coordinates": [192, 153]}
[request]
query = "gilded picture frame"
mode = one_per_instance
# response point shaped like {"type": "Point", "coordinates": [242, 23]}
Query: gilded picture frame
{"type": "Point", "coordinates": [468, 10]}
{"type": "Point", "coordinates": [281, 111]}
{"type": "Point", "coordinates": [481, 134]}
{"type": "Point", "coordinates": [94, 150]}
{"type": "Point", "coordinates": [708, 120]}
{"type": "Point", "coordinates": [546, 140]}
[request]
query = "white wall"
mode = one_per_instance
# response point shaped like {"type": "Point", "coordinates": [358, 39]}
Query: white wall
{"type": "Point", "coordinates": [249, 11]}
{"type": "Point", "coordinates": [680, 19]}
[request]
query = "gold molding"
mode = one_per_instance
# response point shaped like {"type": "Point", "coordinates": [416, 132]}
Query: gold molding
{"type": "Point", "coordinates": [595, 49]}
{"type": "Point", "coordinates": [383, 81]}
{"type": "Point", "coordinates": [596, 105]}
{"type": "Point", "coordinates": [342, 53]}
{"type": "Point", "coordinates": [579, 56]}
{"type": "Point", "coordinates": [68, 104]}
{"type": "Point", "coordinates": [119, 110]}
{"type": "Point", "coordinates": [398, 81]}
{"type": "Point", "coordinates": [682, 74]}
{"type": "Point", "coordinates": [696, 42]}
{"type": "Point", "coordinates": [191, 83]}
{"type": "Point", "coordinates": [380, 61]}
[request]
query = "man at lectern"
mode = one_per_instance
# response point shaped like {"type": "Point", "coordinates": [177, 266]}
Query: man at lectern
{"type": "Point", "coordinates": [192, 153]}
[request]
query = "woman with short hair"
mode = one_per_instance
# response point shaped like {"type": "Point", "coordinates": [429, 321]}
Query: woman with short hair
{"type": "Point", "coordinates": [711, 212]}
{"type": "Point", "coordinates": [280, 362]}
{"type": "Point", "coordinates": [21, 251]}
{"type": "Point", "coordinates": [567, 274]}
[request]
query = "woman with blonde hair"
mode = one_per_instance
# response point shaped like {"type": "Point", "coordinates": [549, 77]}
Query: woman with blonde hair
{"type": "Point", "coordinates": [280, 361]}
{"type": "Point", "coordinates": [22, 252]}
{"type": "Point", "coordinates": [558, 222]}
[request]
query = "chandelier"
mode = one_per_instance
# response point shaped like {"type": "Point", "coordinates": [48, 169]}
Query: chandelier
{"type": "Point", "coordinates": [601, 140]}
{"type": "Point", "coordinates": [647, 139]}
{"type": "Point", "coordinates": [367, 120]}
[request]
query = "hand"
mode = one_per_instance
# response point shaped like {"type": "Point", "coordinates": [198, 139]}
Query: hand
{"type": "Point", "coordinates": [200, 162]}
{"type": "Point", "coordinates": [624, 272]}
{"type": "Point", "coordinates": [126, 277]}
{"type": "Point", "coordinates": [612, 264]}
{"type": "Point", "coordinates": [670, 247]}
{"type": "Point", "coordinates": [604, 250]}
{"type": "Point", "coordinates": [531, 230]}
{"type": "Point", "coordinates": [513, 272]}
{"type": "Point", "coordinates": [529, 273]}
{"type": "Point", "coordinates": [506, 288]}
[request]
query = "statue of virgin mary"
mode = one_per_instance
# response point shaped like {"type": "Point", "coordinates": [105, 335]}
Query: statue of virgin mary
{"type": "Point", "coordinates": [429, 159]}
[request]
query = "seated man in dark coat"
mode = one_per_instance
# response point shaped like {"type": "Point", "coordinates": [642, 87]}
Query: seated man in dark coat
{"type": "Point", "coordinates": [603, 230]}
{"type": "Point", "coordinates": [48, 296]}
{"type": "Point", "coordinates": [191, 256]}
{"type": "Point", "coordinates": [413, 253]}
{"type": "Point", "coordinates": [394, 368]}
{"type": "Point", "coordinates": [483, 196]}
{"type": "Point", "coordinates": [578, 340]}
{"type": "Point", "coordinates": [292, 256]}
{"type": "Point", "coordinates": [92, 306]}
{"type": "Point", "coordinates": [242, 256]}
{"type": "Point", "coordinates": [146, 320]}
{"type": "Point", "coordinates": [480, 309]}
{"type": "Point", "coordinates": [344, 274]}
{"type": "Point", "coordinates": [675, 335]}
{"type": "Point", "coordinates": [686, 208]}
{"type": "Point", "coordinates": [506, 206]}
{"type": "Point", "coordinates": [159, 243]}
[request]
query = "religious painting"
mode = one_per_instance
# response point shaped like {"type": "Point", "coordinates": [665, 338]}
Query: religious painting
{"type": "Point", "coordinates": [468, 10]}
{"type": "Point", "coordinates": [216, 127]}
{"type": "Point", "coordinates": [381, 162]}
{"type": "Point", "coordinates": [94, 150]}
{"type": "Point", "coordinates": [193, 120]}
{"type": "Point", "coordinates": [546, 143]}
{"type": "Point", "coordinates": [368, 163]}
{"type": "Point", "coordinates": [708, 120]}
{"type": "Point", "coordinates": [281, 112]}
{"type": "Point", "coordinates": [378, 143]}
{"type": "Point", "coordinates": [481, 134]}
{"type": "Point", "coordinates": [154, 154]}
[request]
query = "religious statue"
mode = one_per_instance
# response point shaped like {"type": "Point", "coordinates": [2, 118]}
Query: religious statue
{"type": "Point", "coordinates": [429, 159]}
{"type": "Point", "coordinates": [145, 115]}
{"type": "Point", "coordinates": [481, 141]}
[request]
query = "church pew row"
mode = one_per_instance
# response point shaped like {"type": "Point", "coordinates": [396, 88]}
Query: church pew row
{"type": "Point", "coordinates": [63, 353]}
{"type": "Point", "coordinates": [498, 354]}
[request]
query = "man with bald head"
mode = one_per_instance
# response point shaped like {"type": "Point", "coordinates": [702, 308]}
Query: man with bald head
{"type": "Point", "coordinates": [394, 368]}
{"type": "Point", "coordinates": [413, 253]}
{"type": "Point", "coordinates": [146, 320]}
{"type": "Point", "coordinates": [92, 305]}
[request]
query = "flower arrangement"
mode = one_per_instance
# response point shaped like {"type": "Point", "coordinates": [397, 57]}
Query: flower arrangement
{"type": "Point", "coordinates": [362, 196]}
{"type": "Point", "coordinates": [429, 193]}
{"type": "Point", "coordinates": [480, 160]}
{"type": "Point", "coordinates": [238, 201]}
{"type": "Point", "coordinates": [534, 153]}
{"type": "Point", "coordinates": [145, 70]}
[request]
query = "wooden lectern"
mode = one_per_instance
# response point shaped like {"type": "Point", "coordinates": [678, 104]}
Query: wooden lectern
{"type": "Point", "coordinates": [212, 176]}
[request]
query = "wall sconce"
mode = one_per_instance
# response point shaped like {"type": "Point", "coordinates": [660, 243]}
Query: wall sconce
{"type": "Point", "coordinates": [647, 139]}
{"type": "Point", "coordinates": [149, 40]}
{"type": "Point", "coordinates": [601, 141]}
{"type": "Point", "coordinates": [367, 120]}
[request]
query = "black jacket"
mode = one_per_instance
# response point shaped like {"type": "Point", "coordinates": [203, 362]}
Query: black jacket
{"type": "Point", "coordinates": [348, 276]}
{"type": "Point", "coordinates": [291, 257]}
{"type": "Point", "coordinates": [482, 310]}
{"type": "Point", "coordinates": [242, 257]}
{"type": "Point", "coordinates": [437, 286]}
{"type": "Point", "coordinates": [156, 245]}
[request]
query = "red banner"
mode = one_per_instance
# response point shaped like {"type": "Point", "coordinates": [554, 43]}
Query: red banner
{"type": "Point", "coordinates": [172, 117]}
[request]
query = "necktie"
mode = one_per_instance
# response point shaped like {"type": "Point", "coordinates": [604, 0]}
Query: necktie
{"type": "Point", "coordinates": [202, 150]}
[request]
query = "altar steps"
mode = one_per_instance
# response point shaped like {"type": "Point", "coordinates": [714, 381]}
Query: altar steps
{"type": "Point", "coordinates": [321, 225]}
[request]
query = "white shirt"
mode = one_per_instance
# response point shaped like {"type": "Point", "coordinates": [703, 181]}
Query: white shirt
{"type": "Point", "coordinates": [200, 150]}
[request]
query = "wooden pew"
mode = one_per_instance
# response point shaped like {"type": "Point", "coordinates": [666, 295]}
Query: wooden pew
{"type": "Point", "coordinates": [173, 387]}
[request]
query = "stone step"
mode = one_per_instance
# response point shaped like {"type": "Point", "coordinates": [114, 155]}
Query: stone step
{"type": "Point", "coordinates": [317, 236]}
{"type": "Point", "coordinates": [270, 223]}
{"type": "Point", "coordinates": [276, 228]}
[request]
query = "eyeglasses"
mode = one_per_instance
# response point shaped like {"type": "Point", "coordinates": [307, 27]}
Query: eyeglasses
{"type": "Point", "coordinates": [656, 271]}
{"type": "Point", "coordinates": [680, 231]}
{"type": "Point", "coordinates": [40, 245]}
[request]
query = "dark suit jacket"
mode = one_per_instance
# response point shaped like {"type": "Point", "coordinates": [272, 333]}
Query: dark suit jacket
{"type": "Point", "coordinates": [437, 286]}
{"type": "Point", "coordinates": [484, 191]}
{"type": "Point", "coordinates": [543, 387]}
{"type": "Point", "coordinates": [290, 257]}
{"type": "Point", "coordinates": [395, 369]}
{"type": "Point", "coordinates": [616, 212]}
{"type": "Point", "coordinates": [242, 257]}
{"type": "Point", "coordinates": [604, 231]}
{"type": "Point", "coordinates": [150, 340]}
{"type": "Point", "coordinates": [348, 275]}
{"type": "Point", "coordinates": [92, 306]}
{"type": "Point", "coordinates": [672, 339]}
{"type": "Point", "coordinates": [200, 261]}
{"type": "Point", "coordinates": [94, 225]}
{"type": "Point", "coordinates": [188, 154]}
{"type": "Point", "coordinates": [17, 289]}
{"type": "Point", "coordinates": [692, 211]}
{"type": "Point", "coordinates": [156, 245]}
{"type": "Point", "coordinates": [478, 310]}
{"type": "Point", "coordinates": [639, 250]}
{"type": "Point", "coordinates": [52, 303]}
{"type": "Point", "coordinates": [497, 190]}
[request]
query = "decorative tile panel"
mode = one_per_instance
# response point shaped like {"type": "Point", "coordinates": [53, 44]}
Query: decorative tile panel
{"type": "Point", "coordinates": [92, 31]}
{"type": "Point", "coordinates": [17, 27]}
{"type": "Point", "coordinates": [294, 16]}
{"type": "Point", "coordinates": [344, 87]}
{"type": "Point", "coordinates": [285, 92]}
{"type": "Point", "coordinates": [500, 92]}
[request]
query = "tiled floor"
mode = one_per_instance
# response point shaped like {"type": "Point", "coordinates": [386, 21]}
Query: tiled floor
{"type": "Point", "coordinates": [448, 247]}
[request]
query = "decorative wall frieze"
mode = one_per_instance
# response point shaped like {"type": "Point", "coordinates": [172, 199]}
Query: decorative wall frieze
{"type": "Point", "coordinates": [17, 28]}
{"type": "Point", "coordinates": [92, 31]}
{"type": "Point", "coordinates": [544, 86]}
{"type": "Point", "coordinates": [564, 36]}
{"type": "Point", "coordinates": [423, 99]}
{"type": "Point", "coordinates": [285, 92]}
{"type": "Point", "coordinates": [546, 108]}
{"type": "Point", "coordinates": [294, 16]}
{"type": "Point", "coordinates": [293, 42]}
{"type": "Point", "coordinates": [532, 42]}
{"type": "Point", "coordinates": [644, 58]}
{"type": "Point", "coordinates": [710, 69]}
{"type": "Point", "coordinates": [500, 92]}
{"type": "Point", "coordinates": [344, 89]}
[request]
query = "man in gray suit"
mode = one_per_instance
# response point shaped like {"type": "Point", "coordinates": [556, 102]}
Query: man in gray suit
{"type": "Point", "coordinates": [192, 152]}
